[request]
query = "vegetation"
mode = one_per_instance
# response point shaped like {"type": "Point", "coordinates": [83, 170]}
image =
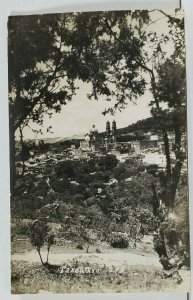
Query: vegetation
{"type": "Point", "coordinates": [87, 217]}
{"type": "Point", "coordinates": [146, 125]}
{"type": "Point", "coordinates": [118, 241]}
{"type": "Point", "coordinates": [90, 200]}
{"type": "Point", "coordinates": [134, 278]}
{"type": "Point", "coordinates": [39, 234]}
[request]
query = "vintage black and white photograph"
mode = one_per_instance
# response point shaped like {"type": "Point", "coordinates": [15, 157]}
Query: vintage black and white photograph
{"type": "Point", "coordinates": [98, 152]}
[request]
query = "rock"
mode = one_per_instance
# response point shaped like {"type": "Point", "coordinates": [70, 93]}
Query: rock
{"type": "Point", "coordinates": [174, 274]}
{"type": "Point", "coordinates": [176, 277]}
{"type": "Point", "coordinates": [165, 263]}
{"type": "Point", "coordinates": [167, 274]}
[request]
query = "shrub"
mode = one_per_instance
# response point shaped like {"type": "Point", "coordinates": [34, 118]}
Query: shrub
{"type": "Point", "coordinates": [118, 241]}
{"type": "Point", "coordinates": [60, 186]}
{"type": "Point", "coordinates": [152, 166]}
{"type": "Point", "coordinates": [79, 247]}
{"type": "Point", "coordinates": [39, 234]}
{"type": "Point", "coordinates": [108, 162]}
{"type": "Point", "coordinates": [120, 172]}
{"type": "Point", "coordinates": [65, 169]}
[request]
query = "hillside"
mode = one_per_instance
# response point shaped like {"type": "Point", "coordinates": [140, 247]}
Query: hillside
{"type": "Point", "coordinates": [141, 126]}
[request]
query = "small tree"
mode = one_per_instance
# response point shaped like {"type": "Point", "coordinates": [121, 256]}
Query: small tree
{"type": "Point", "coordinates": [108, 162]}
{"type": "Point", "coordinates": [50, 241]}
{"type": "Point", "coordinates": [39, 235]}
{"type": "Point", "coordinates": [86, 238]}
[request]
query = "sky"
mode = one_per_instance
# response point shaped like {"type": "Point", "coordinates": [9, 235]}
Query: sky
{"type": "Point", "coordinates": [78, 116]}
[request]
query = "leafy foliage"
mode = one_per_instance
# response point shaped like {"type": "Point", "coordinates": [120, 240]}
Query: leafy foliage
{"type": "Point", "coordinates": [114, 53]}
{"type": "Point", "coordinates": [118, 241]}
{"type": "Point", "coordinates": [39, 234]}
{"type": "Point", "coordinates": [108, 162]}
{"type": "Point", "coordinates": [65, 168]}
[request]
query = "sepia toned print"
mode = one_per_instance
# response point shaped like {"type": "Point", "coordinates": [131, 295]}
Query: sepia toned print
{"type": "Point", "coordinates": [98, 152]}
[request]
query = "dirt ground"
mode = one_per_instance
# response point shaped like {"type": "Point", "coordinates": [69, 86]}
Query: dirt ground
{"type": "Point", "coordinates": [142, 268]}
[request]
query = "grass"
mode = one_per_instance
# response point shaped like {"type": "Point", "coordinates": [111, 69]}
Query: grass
{"type": "Point", "coordinates": [32, 278]}
{"type": "Point", "coordinates": [21, 244]}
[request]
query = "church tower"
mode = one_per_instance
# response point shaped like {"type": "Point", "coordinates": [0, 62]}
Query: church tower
{"type": "Point", "coordinates": [114, 129]}
{"type": "Point", "coordinates": [108, 129]}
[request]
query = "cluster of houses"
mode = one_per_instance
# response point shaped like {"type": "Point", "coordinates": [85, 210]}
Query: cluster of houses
{"type": "Point", "coordinates": [149, 149]}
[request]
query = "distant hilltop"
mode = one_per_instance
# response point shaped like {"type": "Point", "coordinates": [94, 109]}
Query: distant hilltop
{"type": "Point", "coordinates": [142, 126]}
{"type": "Point", "coordinates": [58, 139]}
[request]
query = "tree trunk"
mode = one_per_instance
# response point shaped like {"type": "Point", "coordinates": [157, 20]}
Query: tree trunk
{"type": "Point", "coordinates": [155, 200]}
{"type": "Point", "coordinates": [12, 153]}
{"type": "Point", "coordinates": [167, 154]}
{"type": "Point", "coordinates": [38, 249]}
{"type": "Point", "coordinates": [175, 180]}
{"type": "Point", "coordinates": [22, 150]}
{"type": "Point", "coordinates": [48, 249]}
{"type": "Point", "coordinates": [176, 172]}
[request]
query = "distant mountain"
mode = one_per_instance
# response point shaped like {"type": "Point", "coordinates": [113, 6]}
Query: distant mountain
{"type": "Point", "coordinates": [55, 140]}
{"type": "Point", "coordinates": [63, 139]}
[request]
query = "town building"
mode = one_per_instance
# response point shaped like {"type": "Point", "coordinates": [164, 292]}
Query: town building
{"type": "Point", "coordinates": [93, 140]}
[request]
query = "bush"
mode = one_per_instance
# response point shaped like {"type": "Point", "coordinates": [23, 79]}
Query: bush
{"type": "Point", "coordinates": [108, 162]}
{"type": "Point", "coordinates": [118, 241]}
{"type": "Point", "coordinates": [61, 185]}
{"type": "Point", "coordinates": [79, 247]}
{"type": "Point", "coordinates": [120, 172]}
{"type": "Point", "coordinates": [77, 198]}
{"type": "Point", "coordinates": [65, 169]}
{"type": "Point", "coordinates": [40, 234]}
{"type": "Point", "coordinates": [152, 166]}
{"type": "Point", "coordinates": [152, 169]}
